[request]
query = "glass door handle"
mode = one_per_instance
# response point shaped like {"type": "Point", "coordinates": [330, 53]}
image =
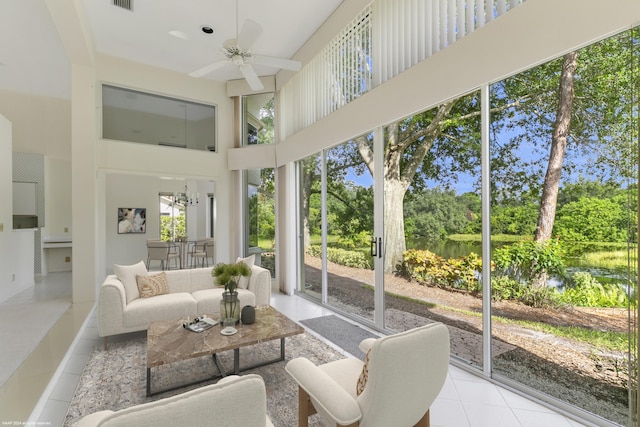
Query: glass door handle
{"type": "Point", "coordinates": [376, 247]}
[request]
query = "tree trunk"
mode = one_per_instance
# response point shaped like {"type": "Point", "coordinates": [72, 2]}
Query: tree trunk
{"type": "Point", "coordinates": [394, 239]}
{"type": "Point", "coordinates": [549, 199]}
{"type": "Point", "coordinates": [306, 201]}
{"type": "Point", "coordinates": [395, 188]}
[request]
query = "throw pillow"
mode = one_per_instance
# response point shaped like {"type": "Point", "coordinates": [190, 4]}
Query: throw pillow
{"type": "Point", "coordinates": [150, 286]}
{"type": "Point", "coordinates": [243, 283]}
{"type": "Point", "coordinates": [364, 375]}
{"type": "Point", "coordinates": [127, 275]}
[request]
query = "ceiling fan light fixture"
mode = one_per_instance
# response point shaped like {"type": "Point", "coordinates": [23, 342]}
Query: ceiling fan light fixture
{"type": "Point", "coordinates": [239, 53]}
{"type": "Point", "coordinates": [237, 59]}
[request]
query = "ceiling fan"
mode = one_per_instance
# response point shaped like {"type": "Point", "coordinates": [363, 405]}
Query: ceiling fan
{"type": "Point", "coordinates": [238, 52]}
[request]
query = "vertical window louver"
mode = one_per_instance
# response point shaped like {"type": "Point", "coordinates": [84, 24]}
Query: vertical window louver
{"type": "Point", "coordinates": [385, 39]}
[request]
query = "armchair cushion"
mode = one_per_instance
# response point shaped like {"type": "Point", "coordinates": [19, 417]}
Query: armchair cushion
{"type": "Point", "coordinates": [328, 396]}
{"type": "Point", "coordinates": [127, 275]}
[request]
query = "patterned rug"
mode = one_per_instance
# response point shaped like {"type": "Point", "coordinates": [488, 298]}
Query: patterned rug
{"type": "Point", "coordinates": [116, 379]}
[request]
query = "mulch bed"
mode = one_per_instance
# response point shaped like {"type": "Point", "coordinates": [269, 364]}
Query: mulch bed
{"type": "Point", "coordinates": [574, 372]}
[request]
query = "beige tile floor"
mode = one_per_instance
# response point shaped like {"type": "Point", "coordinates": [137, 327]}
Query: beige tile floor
{"type": "Point", "coordinates": [30, 396]}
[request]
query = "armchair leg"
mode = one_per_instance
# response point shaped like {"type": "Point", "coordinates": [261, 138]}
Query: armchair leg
{"type": "Point", "coordinates": [424, 421]}
{"type": "Point", "coordinates": [105, 339]}
{"type": "Point", "coordinates": [305, 408]}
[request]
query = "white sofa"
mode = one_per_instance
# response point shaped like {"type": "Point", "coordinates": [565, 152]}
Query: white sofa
{"type": "Point", "coordinates": [234, 401]}
{"type": "Point", "coordinates": [191, 292]}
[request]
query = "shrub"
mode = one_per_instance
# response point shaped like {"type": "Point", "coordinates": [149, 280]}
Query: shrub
{"type": "Point", "coordinates": [342, 257]}
{"type": "Point", "coordinates": [530, 261]}
{"type": "Point", "coordinates": [428, 268]}
{"type": "Point", "coordinates": [584, 290]}
{"type": "Point", "coordinates": [503, 288]}
{"type": "Point", "coordinates": [420, 264]}
{"type": "Point", "coordinates": [358, 240]}
{"type": "Point", "coordinates": [536, 296]}
{"type": "Point", "coordinates": [314, 250]}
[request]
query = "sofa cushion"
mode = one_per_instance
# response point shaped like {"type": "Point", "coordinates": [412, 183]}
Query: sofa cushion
{"type": "Point", "coordinates": [208, 300]}
{"type": "Point", "coordinates": [162, 307]}
{"type": "Point", "coordinates": [152, 285]}
{"type": "Point", "coordinates": [243, 283]}
{"type": "Point", "coordinates": [179, 280]}
{"type": "Point", "coordinates": [201, 279]}
{"type": "Point", "coordinates": [127, 275]}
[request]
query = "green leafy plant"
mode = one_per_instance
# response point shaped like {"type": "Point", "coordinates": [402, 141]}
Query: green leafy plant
{"type": "Point", "coordinates": [342, 256]}
{"type": "Point", "coordinates": [530, 261]}
{"type": "Point", "coordinates": [584, 290]}
{"type": "Point", "coordinates": [228, 275]}
{"type": "Point", "coordinates": [429, 268]}
{"type": "Point", "coordinates": [504, 288]}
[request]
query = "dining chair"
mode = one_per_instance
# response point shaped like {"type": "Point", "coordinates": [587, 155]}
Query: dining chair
{"type": "Point", "coordinates": [158, 250]}
{"type": "Point", "coordinates": [198, 251]}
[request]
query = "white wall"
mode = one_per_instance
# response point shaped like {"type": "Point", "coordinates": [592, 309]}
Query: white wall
{"type": "Point", "coordinates": [201, 169]}
{"type": "Point", "coordinates": [57, 196]}
{"type": "Point", "coordinates": [40, 124]}
{"type": "Point", "coordinates": [43, 125]}
{"type": "Point", "coordinates": [16, 268]}
{"type": "Point", "coordinates": [6, 209]}
{"type": "Point", "coordinates": [57, 200]}
{"type": "Point", "coordinates": [140, 191]}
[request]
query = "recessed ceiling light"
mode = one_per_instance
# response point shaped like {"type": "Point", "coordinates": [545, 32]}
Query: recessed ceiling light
{"type": "Point", "coordinates": [179, 34]}
{"type": "Point", "coordinates": [207, 29]}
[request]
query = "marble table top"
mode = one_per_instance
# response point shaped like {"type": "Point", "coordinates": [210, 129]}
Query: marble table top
{"type": "Point", "coordinates": [168, 341]}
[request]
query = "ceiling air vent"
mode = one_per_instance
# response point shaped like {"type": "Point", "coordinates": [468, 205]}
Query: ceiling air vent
{"type": "Point", "coordinates": [125, 4]}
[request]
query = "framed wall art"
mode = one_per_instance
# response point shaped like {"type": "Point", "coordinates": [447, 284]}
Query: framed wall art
{"type": "Point", "coordinates": [132, 220]}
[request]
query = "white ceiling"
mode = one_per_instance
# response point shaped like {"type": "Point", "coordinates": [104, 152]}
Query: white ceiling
{"type": "Point", "coordinates": [33, 60]}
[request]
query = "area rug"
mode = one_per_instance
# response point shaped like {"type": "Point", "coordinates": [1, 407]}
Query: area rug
{"type": "Point", "coordinates": [344, 334]}
{"type": "Point", "coordinates": [116, 378]}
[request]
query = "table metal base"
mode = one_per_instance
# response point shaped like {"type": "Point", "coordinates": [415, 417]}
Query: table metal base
{"type": "Point", "coordinates": [222, 372]}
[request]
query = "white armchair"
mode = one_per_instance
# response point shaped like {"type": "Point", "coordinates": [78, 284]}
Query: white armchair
{"type": "Point", "coordinates": [234, 401]}
{"type": "Point", "coordinates": [396, 385]}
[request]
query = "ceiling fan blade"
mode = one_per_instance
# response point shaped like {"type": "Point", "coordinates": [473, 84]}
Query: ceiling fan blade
{"type": "Point", "coordinates": [250, 32]}
{"type": "Point", "coordinates": [287, 64]}
{"type": "Point", "coordinates": [209, 68]}
{"type": "Point", "coordinates": [252, 78]}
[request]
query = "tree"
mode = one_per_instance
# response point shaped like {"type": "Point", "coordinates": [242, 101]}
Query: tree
{"type": "Point", "coordinates": [436, 213]}
{"type": "Point", "coordinates": [435, 144]}
{"type": "Point", "coordinates": [581, 103]}
{"type": "Point", "coordinates": [561, 127]}
{"type": "Point", "coordinates": [592, 220]}
{"type": "Point", "coordinates": [578, 103]}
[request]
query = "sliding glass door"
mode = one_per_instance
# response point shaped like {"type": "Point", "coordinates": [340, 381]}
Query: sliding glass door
{"type": "Point", "coordinates": [564, 209]}
{"type": "Point", "coordinates": [349, 227]}
{"type": "Point", "coordinates": [511, 215]}
{"type": "Point", "coordinates": [337, 222]}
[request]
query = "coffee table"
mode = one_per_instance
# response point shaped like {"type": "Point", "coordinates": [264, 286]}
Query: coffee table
{"type": "Point", "coordinates": [168, 342]}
